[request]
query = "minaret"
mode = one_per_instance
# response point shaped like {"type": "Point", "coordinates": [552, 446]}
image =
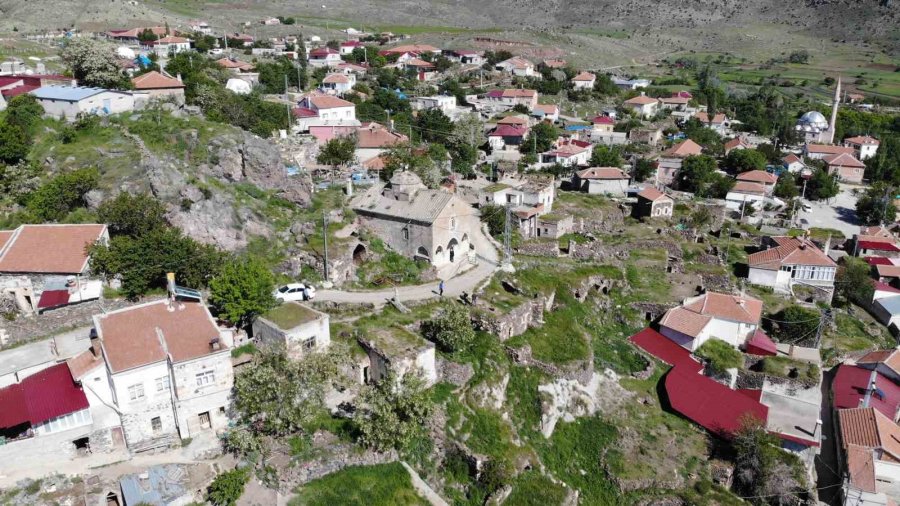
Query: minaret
{"type": "Point", "coordinates": [834, 109]}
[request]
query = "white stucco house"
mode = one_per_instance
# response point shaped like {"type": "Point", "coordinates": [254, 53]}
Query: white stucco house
{"type": "Point", "coordinates": [517, 66]}
{"type": "Point", "coordinates": [339, 83]}
{"type": "Point", "coordinates": [864, 146]}
{"type": "Point", "coordinates": [602, 180]}
{"type": "Point", "coordinates": [168, 46]}
{"type": "Point", "coordinates": [298, 328]}
{"type": "Point", "coordinates": [729, 318]}
{"type": "Point", "coordinates": [584, 81]}
{"type": "Point", "coordinates": [642, 105]}
{"type": "Point", "coordinates": [68, 102]}
{"type": "Point", "coordinates": [324, 110]}
{"type": "Point", "coordinates": [789, 262]}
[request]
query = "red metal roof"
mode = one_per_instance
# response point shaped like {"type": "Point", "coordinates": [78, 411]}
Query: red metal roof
{"type": "Point", "coordinates": [884, 287]}
{"type": "Point", "coordinates": [878, 246]}
{"type": "Point", "coordinates": [19, 90]}
{"type": "Point", "coordinates": [849, 388]}
{"type": "Point", "coordinates": [508, 131]}
{"type": "Point", "coordinates": [878, 261]}
{"type": "Point", "coordinates": [53, 298]}
{"type": "Point", "coordinates": [41, 397]}
{"type": "Point", "coordinates": [761, 344]}
{"type": "Point", "coordinates": [666, 350]}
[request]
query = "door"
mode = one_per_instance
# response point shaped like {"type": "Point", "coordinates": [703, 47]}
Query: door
{"type": "Point", "coordinates": [205, 422]}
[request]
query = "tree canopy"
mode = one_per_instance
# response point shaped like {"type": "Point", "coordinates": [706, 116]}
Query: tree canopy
{"type": "Point", "coordinates": [242, 290]}
{"type": "Point", "coordinates": [743, 160]}
{"type": "Point", "coordinates": [132, 215]}
{"type": "Point", "coordinates": [606, 156]}
{"type": "Point", "coordinates": [93, 63]}
{"type": "Point", "coordinates": [452, 330]}
{"type": "Point", "coordinates": [876, 205]}
{"type": "Point", "coordinates": [394, 414]}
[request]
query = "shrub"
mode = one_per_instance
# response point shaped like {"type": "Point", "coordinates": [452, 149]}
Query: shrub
{"type": "Point", "coordinates": [55, 198]}
{"type": "Point", "coordinates": [452, 330]}
{"type": "Point", "coordinates": [228, 487]}
{"type": "Point", "coordinates": [720, 355]}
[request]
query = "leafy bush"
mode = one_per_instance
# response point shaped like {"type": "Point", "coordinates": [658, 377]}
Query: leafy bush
{"type": "Point", "coordinates": [394, 414]}
{"type": "Point", "coordinates": [227, 488]}
{"type": "Point", "coordinates": [452, 330]}
{"type": "Point", "coordinates": [55, 198]}
{"type": "Point", "coordinates": [242, 290]}
{"type": "Point", "coordinates": [720, 355]}
{"type": "Point", "coordinates": [132, 215]}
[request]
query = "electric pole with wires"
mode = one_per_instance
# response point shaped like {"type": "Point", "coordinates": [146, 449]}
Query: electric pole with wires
{"type": "Point", "coordinates": [824, 319]}
{"type": "Point", "coordinates": [507, 241]}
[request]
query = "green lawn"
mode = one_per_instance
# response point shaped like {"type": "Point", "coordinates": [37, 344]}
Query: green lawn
{"type": "Point", "coordinates": [381, 485]}
{"type": "Point", "coordinates": [534, 489]}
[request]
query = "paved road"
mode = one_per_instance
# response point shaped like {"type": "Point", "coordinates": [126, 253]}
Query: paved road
{"type": "Point", "coordinates": [488, 262]}
{"type": "Point", "coordinates": [837, 213]}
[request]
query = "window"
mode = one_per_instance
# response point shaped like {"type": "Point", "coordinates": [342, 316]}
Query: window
{"type": "Point", "coordinates": [162, 384]}
{"type": "Point", "coordinates": [405, 234]}
{"type": "Point", "coordinates": [136, 392]}
{"type": "Point", "coordinates": [206, 378]}
{"type": "Point", "coordinates": [452, 223]}
{"type": "Point", "coordinates": [156, 424]}
{"type": "Point", "coordinates": [309, 343]}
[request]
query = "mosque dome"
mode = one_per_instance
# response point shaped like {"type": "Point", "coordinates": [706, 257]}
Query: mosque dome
{"type": "Point", "coordinates": [405, 178]}
{"type": "Point", "coordinates": [813, 119]}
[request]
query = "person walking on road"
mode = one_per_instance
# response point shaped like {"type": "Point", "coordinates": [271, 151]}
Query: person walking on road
{"type": "Point", "coordinates": [441, 288]}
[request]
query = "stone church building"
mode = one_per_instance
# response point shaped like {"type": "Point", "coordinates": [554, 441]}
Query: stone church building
{"type": "Point", "coordinates": [417, 222]}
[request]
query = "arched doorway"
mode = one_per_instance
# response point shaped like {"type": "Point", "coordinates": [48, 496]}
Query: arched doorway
{"type": "Point", "coordinates": [360, 254]}
{"type": "Point", "coordinates": [438, 254]}
{"type": "Point", "coordinates": [451, 248]}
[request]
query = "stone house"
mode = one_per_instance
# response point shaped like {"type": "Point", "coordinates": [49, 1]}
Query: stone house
{"type": "Point", "coordinates": [417, 222]}
{"type": "Point", "coordinates": [602, 180]}
{"type": "Point", "coordinates": [169, 370]}
{"type": "Point", "coordinates": [69, 102]}
{"type": "Point", "coordinates": [46, 266]}
{"type": "Point", "coordinates": [730, 318]}
{"type": "Point", "coordinates": [528, 199]}
{"type": "Point", "coordinates": [399, 351]}
{"type": "Point", "coordinates": [299, 329]}
{"type": "Point", "coordinates": [652, 203]}
{"type": "Point", "coordinates": [649, 135]}
{"type": "Point", "coordinates": [789, 262]}
{"type": "Point", "coordinates": [554, 225]}
{"type": "Point", "coordinates": [155, 85]}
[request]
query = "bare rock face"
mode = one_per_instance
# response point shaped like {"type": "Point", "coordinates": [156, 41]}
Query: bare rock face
{"type": "Point", "coordinates": [210, 221]}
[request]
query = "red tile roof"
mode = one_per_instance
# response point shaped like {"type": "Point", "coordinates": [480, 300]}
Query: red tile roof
{"type": "Point", "coordinates": [327, 102]}
{"type": "Point", "coordinates": [684, 148]}
{"type": "Point", "coordinates": [704, 118]}
{"type": "Point", "coordinates": [131, 336]}
{"type": "Point", "coordinates": [758, 176]}
{"type": "Point", "coordinates": [843, 160]}
{"type": "Point", "coordinates": [890, 358]}
{"type": "Point", "coordinates": [83, 363]}
{"type": "Point", "coordinates": [869, 428]}
{"type": "Point", "coordinates": [734, 143]}
{"type": "Point", "coordinates": [512, 120]}
{"type": "Point", "coordinates": [322, 52]}
{"type": "Point", "coordinates": [336, 79]}
{"type": "Point", "coordinates": [49, 249]}
{"type": "Point", "coordinates": [791, 158]}
{"type": "Point", "coordinates": [585, 77]}
{"type": "Point", "coordinates": [790, 251]}
{"type": "Point", "coordinates": [234, 64]}
{"type": "Point", "coordinates": [641, 100]}
{"type": "Point", "coordinates": [861, 467]}
{"type": "Point", "coordinates": [827, 149]}
{"type": "Point", "coordinates": [861, 140]}
{"type": "Point", "coordinates": [888, 271]}
{"type": "Point", "coordinates": [508, 131]}
{"type": "Point", "coordinates": [652, 194]}
{"type": "Point", "coordinates": [378, 137]}
{"type": "Point", "coordinates": [675, 100]}
{"type": "Point", "coordinates": [153, 80]}
{"type": "Point", "coordinates": [603, 120]}
{"type": "Point", "coordinates": [689, 323]}
{"type": "Point", "coordinates": [40, 397]}
{"type": "Point", "coordinates": [744, 309]}
{"type": "Point", "coordinates": [602, 173]}
{"type": "Point", "coordinates": [518, 93]}
{"type": "Point", "coordinates": [849, 388]}
{"type": "Point", "coordinates": [749, 188]}
{"type": "Point", "coordinates": [410, 48]}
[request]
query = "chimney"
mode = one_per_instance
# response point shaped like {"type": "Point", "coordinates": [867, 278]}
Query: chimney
{"type": "Point", "coordinates": [214, 344]}
{"type": "Point", "coordinates": [170, 284]}
{"type": "Point", "coordinates": [178, 77]}
{"type": "Point", "coordinates": [870, 389]}
{"type": "Point", "coordinates": [95, 343]}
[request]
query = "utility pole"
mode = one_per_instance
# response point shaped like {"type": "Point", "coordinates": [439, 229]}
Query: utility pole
{"type": "Point", "coordinates": [507, 233]}
{"type": "Point", "coordinates": [287, 103]}
{"type": "Point", "coordinates": [325, 241]}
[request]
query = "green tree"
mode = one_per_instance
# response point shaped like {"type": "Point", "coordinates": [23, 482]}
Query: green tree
{"type": "Point", "coordinates": [696, 174]}
{"type": "Point", "coordinates": [452, 330]}
{"type": "Point", "coordinates": [705, 137]}
{"type": "Point", "coordinates": [338, 151]}
{"type": "Point", "coordinates": [278, 396]}
{"type": "Point", "coordinates": [876, 206]}
{"type": "Point", "coordinates": [720, 356]}
{"type": "Point", "coordinates": [142, 262]}
{"type": "Point", "coordinates": [242, 291]}
{"type": "Point", "coordinates": [796, 322]}
{"type": "Point", "coordinates": [853, 281]}
{"type": "Point", "coordinates": [763, 472]}
{"type": "Point", "coordinates": [404, 157]}
{"type": "Point", "coordinates": [93, 63]}
{"type": "Point", "coordinates": [272, 75]}
{"type": "Point", "coordinates": [55, 198]}
{"type": "Point", "coordinates": [822, 185]}
{"type": "Point", "coordinates": [786, 188]}
{"type": "Point", "coordinates": [606, 156]}
{"type": "Point", "coordinates": [24, 112]}
{"type": "Point", "coordinates": [540, 138]}
{"type": "Point", "coordinates": [132, 215]}
{"type": "Point", "coordinates": [643, 169]}
{"type": "Point", "coordinates": [394, 414]}
{"type": "Point", "coordinates": [742, 160]}
{"type": "Point", "coordinates": [495, 217]}
{"type": "Point", "coordinates": [719, 186]}
{"type": "Point", "coordinates": [434, 126]}
{"type": "Point", "coordinates": [14, 144]}
{"type": "Point", "coordinates": [228, 487]}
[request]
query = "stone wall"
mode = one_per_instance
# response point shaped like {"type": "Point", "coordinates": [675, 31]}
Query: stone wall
{"type": "Point", "coordinates": [28, 328]}
{"type": "Point", "coordinates": [337, 457]}
{"type": "Point", "coordinates": [581, 371]}
{"type": "Point", "coordinates": [539, 248]}
{"type": "Point", "coordinates": [516, 321]}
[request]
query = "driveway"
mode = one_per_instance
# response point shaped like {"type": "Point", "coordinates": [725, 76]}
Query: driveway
{"type": "Point", "coordinates": [838, 213]}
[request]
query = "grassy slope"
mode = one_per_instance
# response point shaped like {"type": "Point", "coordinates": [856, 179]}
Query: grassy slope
{"type": "Point", "coordinates": [381, 485]}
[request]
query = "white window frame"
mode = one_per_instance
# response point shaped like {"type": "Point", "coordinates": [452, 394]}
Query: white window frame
{"type": "Point", "coordinates": [206, 378]}
{"type": "Point", "coordinates": [136, 392]}
{"type": "Point", "coordinates": [162, 383]}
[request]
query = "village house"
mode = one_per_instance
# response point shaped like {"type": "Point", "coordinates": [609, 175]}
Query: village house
{"type": "Point", "coordinates": [169, 369]}
{"type": "Point", "coordinates": [234, 65]}
{"type": "Point", "coordinates": [569, 153]}
{"type": "Point", "coordinates": [792, 163]}
{"type": "Point", "coordinates": [299, 329]}
{"type": "Point", "coordinates": [584, 81]}
{"type": "Point", "coordinates": [736, 143]}
{"type": "Point", "coordinates": [864, 147]}
{"type": "Point", "coordinates": [374, 139]}
{"type": "Point", "coordinates": [821, 151]}
{"type": "Point", "coordinates": [790, 262]}
{"type": "Point", "coordinates": [324, 57]}
{"type": "Point", "coordinates": [68, 102]}
{"type": "Point", "coordinates": [718, 123]}
{"type": "Point", "coordinates": [132, 36]}
{"type": "Point", "coordinates": [875, 245]}
{"type": "Point", "coordinates": [846, 167]}
{"type": "Point", "coordinates": [872, 380]}
{"type": "Point", "coordinates": [159, 87]}
{"type": "Point", "coordinates": [423, 70]}
{"type": "Point", "coordinates": [417, 222]}
{"type": "Point", "coordinates": [631, 84]}
{"type": "Point", "coordinates": [317, 110]}
{"type": "Point", "coordinates": [730, 318]}
{"type": "Point", "coordinates": [602, 180]}
{"type": "Point", "coordinates": [652, 203]}
{"type": "Point", "coordinates": [339, 83]}
{"type": "Point", "coordinates": [169, 45]}
{"type": "Point", "coordinates": [746, 194]}
{"type": "Point", "coordinates": [650, 135]}
{"type": "Point", "coordinates": [516, 96]}
{"type": "Point", "coordinates": [517, 66]}
{"type": "Point", "coordinates": [467, 57]}
{"type": "Point", "coordinates": [767, 179]}
{"type": "Point", "coordinates": [506, 136]}
{"type": "Point", "coordinates": [669, 162]}
{"type": "Point", "coordinates": [412, 49]}
{"type": "Point", "coordinates": [397, 351]}
{"type": "Point", "coordinates": [603, 124]}
{"type": "Point", "coordinates": [554, 226]}
{"type": "Point", "coordinates": [674, 103]}
{"type": "Point", "coordinates": [346, 47]}
{"type": "Point", "coordinates": [200, 27]}
{"type": "Point", "coordinates": [46, 266]}
{"type": "Point", "coordinates": [245, 40]}
{"type": "Point", "coordinates": [869, 444]}
{"type": "Point", "coordinates": [642, 105]}
{"type": "Point", "coordinates": [528, 198]}
{"type": "Point", "coordinates": [444, 103]}
{"type": "Point", "coordinates": [546, 112]}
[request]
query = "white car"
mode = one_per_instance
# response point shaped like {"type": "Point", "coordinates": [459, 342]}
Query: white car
{"type": "Point", "coordinates": [294, 292]}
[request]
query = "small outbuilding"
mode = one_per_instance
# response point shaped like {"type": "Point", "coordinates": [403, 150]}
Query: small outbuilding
{"type": "Point", "coordinates": [300, 329]}
{"type": "Point", "coordinates": [399, 351]}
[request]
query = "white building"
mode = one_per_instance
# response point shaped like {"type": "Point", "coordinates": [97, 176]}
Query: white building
{"type": "Point", "coordinates": [602, 180]}
{"type": "Point", "coordinates": [298, 328]}
{"type": "Point", "coordinates": [584, 81]}
{"type": "Point", "coordinates": [324, 110]}
{"type": "Point", "coordinates": [169, 370]}
{"type": "Point", "coordinates": [569, 153]}
{"type": "Point", "coordinates": [68, 102]}
{"type": "Point", "coordinates": [444, 103]}
{"type": "Point", "coordinates": [864, 146]}
{"type": "Point", "coordinates": [729, 318]}
{"type": "Point", "coordinates": [324, 57]}
{"type": "Point", "coordinates": [517, 66]}
{"type": "Point", "coordinates": [339, 83]}
{"type": "Point", "coordinates": [642, 105]}
{"type": "Point", "coordinates": [168, 45]}
{"type": "Point", "coordinates": [792, 261]}
{"type": "Point", "coordinates": [631, 84]}
{"type": "Point", "coordinates": [201, 27]}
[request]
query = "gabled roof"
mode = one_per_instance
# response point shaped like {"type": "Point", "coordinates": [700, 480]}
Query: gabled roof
{"type": "Point", "coordinates": [641, 100]}
{"type": "Point", "coordinates": [791, 158]}
{"type": "Point", "coordinates": [518, 93]}
{"type": "Point", "coordinates": [890, 358]}
{"type": "Point", "coordinates": [153, 80]}
{"type": "Point", "coordinates": [603, 120]}
{"type": "Point", "coordinates": [48, 249]}
{"type": "Point", "coordinates": [744, 309]}
{"type": "Point", "coordinates": [146, 333]}
{"type": "Point", "coordinates": [689, 323]}
{"type": "Point", "coordinates": [869, 428]}
{"type": "Point", "coordinates": [336, 79]}
{"type": "Point", "coordinates": [584, 77]}
{"type": "Point", "coordinates": [512, 120]}
{"type": "Point", "coordinates": [684, 148]}
{"type": "Point", "coordinates": [758, 176]}
{"type": "Point", "coordinates": [889, 271]}
{"type": "Point", "coordinates": [508, 131]}
{"type": "Point", "coordinates": [418, 62]}
{"type": "Point", "coordinates": [652, 194]}
{"type": "Point", "coordinates": [790, 251]}
{"type": "Point", "coordinates": [546, 109]}
{"type": "Point", "coordinates": [827, 149]}
{"type": "Point", "coordinates": [40, 397]}
{"type": "Point", "coordinates": [602, 173]}
{"type": "Point", "coordinates": [376, 136]}
{"type": "Point", "coordinates": [328, 102]}
{"type": "Point", "coordinates": [861, 468]}
{"type": "Point", "coordinates": [862, 140]}
{"type": "Point", "coordinates": [851, 382]}
{"type": "Point", "coordinates": [704, 118]}
{"type": "Point", "coordinates": [843, 160]}
{"type": "Point", "coordinates": [322, 52]}
{"type": "Point", "coordinates": [170, 39]}
{"type": "Point", "coordinates": [748, 188]}
{"type": "Point", "coordinates": [410, 48]}
{"type": "Point", "coordinates": [228, 63]}
{"type": "Point", "coordinates": [516, 62]}
{"type": "Point", "coordinates": [735, 143]}
{"type": "Point", "coordinates": [675, 100]}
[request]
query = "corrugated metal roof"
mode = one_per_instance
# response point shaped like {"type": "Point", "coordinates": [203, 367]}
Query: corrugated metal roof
{"type": "Point", "coordinates": [850, 384]}
{"type": "Point", "coordinates": [40, 397]}
{"type": "Point", "coordinates": [68, 93]}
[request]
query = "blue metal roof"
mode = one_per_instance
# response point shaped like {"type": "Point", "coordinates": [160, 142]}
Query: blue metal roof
{"type": "Point", "coordinates": [67, 93]}
{"type": "Point", "coordinates": [158, 486]}
{"type": "Point", "coordinates": [890, 304]}
{"type": "Point", "coordinates": [577, 128]}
